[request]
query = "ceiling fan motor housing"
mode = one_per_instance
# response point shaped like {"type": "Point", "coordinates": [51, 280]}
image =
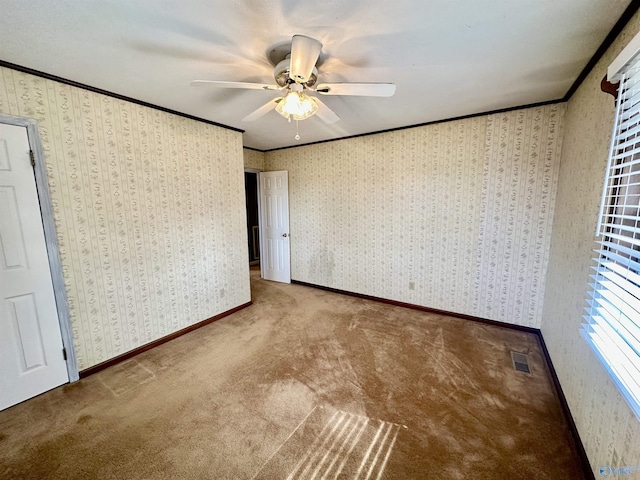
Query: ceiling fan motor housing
{"type": "Point", "coordinates": [282, 77]}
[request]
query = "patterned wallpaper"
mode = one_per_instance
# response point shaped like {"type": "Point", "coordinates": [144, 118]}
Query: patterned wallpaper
{"type": "Point", "coordinates": [607, 426]}
{"type": "Point", "coordinates": [149, 210]}
{"type": "Point", "coordinates": [454, 216]}
{"type": "Point", "coordinates": [253, 159]}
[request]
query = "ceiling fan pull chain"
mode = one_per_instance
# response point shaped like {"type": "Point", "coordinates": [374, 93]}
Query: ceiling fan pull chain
{"type": "Point", "coordinates": [297, 137]}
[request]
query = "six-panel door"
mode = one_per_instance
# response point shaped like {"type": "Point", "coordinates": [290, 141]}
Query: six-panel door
{"type": "Point", "coordinates": [274, 203]}
{"type": "Point", "coordinates": [31, 358]}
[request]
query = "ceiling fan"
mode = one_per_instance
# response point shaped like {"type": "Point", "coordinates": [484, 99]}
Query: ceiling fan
{"type": "Point", "coordinates": [295, 75]}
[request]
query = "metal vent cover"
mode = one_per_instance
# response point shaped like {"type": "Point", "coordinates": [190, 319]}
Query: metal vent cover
{"type": "Point", "coordinates": [520, 362]}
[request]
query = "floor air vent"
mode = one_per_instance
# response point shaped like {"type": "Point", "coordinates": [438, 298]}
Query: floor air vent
{"type": "Point", "coordinates": [520, 362]}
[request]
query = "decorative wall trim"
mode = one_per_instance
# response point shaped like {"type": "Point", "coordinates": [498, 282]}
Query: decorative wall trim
{"type": "Point", "coordinates": [586, 466]}
{"type": "Point", "coordinates": [421, 308]}
{"type": "Point", "coordinates": [446, 120]}
{"type": "Point", "coordinates": [51, 238]}
{"type": "Point", "coordinates": [66, 81]}
{"type": "Point", "coordinates": [136, 351]}
{"type": "Point", "coordinates": [613, 34]}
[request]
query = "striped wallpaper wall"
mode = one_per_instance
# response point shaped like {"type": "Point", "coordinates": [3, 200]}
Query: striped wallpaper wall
{"type": "Point", "coordinates": [454, 216]}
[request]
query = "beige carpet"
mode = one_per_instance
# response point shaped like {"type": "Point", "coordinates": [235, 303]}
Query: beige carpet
{"type": "Point", "coordinates": [304, 384]}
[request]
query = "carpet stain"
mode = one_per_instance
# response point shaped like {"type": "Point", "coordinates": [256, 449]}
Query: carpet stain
{"type": "Point", "coordinates": [84, 419]}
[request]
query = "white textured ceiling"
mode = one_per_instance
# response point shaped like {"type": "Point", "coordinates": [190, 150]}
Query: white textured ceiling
{"type": "Point", "coordinates": [448, 58]}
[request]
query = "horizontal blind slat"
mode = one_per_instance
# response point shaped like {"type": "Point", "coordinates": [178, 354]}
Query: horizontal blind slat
{"type": "Point", "coordinates": [607, 334]}
{"type": "Point", "coordinates": [625, 239]}
{"type": "Point", "coordinates": [616, 247]}
{"type": "Point", "coordinates": [627, 330]}
{"type": "Point", "coordinates": [613, 225]}
{"type": "Point", "coordinates": [623, 365]}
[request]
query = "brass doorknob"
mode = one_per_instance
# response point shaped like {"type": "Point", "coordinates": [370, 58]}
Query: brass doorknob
{"type": "Point", "coordinates": [284, 235]}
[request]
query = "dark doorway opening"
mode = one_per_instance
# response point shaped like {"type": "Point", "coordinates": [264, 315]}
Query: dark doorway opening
{"type": "Point", "coordinates": [253, 231]}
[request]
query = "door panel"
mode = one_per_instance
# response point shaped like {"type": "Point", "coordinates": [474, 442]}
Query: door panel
{"type": "Point", "coordinates": [11, 237]}
{"type": "Point", "coordinates": [4, 155]}
{"type": "Point", "coordinates": [25, 317]}
{"type": "Point", "coordinates": [31, 358]}
{"type": "Point", "coordinates": [274, 202]}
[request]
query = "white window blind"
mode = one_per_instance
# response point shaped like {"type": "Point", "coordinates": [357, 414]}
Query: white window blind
{"type": "Point", "coordinates": [612, 325]}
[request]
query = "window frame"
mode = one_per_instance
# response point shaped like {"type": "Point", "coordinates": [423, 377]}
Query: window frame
{"type": "Point", "coordinates": [612, 320]}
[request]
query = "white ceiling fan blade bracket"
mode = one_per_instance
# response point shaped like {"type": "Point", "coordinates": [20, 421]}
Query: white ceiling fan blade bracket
{"type": "Point", "coordinates": [304, 55]}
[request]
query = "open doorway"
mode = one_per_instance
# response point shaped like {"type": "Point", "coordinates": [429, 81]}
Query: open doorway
{"type": "Point", "coordinates": [253, 229]}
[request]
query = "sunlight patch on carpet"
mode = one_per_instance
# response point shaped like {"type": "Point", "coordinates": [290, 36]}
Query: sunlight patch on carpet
{"type": "Point", "coordinates": [332, 444]}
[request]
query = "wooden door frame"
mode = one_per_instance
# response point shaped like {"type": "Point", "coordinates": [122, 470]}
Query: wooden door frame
{"type": "Point", "coordinates": [51, 239]}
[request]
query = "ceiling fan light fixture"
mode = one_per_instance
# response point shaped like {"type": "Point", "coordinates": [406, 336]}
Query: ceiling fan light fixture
{"type": "Point", "coordinates": [297, 105]}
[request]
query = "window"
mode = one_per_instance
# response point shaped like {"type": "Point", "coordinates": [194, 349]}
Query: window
{"type": "Point", "coordinates": [612, 325]}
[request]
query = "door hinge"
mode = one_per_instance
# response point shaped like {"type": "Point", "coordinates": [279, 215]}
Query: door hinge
{"type": "Point", "coordinates": [64, 354]}
{"type": "Point", "coordinates": [33, 158]}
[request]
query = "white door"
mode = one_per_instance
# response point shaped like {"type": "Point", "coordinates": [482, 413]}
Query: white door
{"type": "Point", "coordinates": [275, 260]}
{"type": "Point", "coordinates": [31, 357]}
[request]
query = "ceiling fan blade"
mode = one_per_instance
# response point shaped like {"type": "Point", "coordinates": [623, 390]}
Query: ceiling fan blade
{"type": "Point", "coordinates": [364, 89]}
{"type": "Point", "coordinates": [252, 86]}
{"type": "Point", "coordinates": [263, 110]}
{"type": "Point", "coordinates": [304, 55]}
{"type": "Point", "coordinates": [325, 113]}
